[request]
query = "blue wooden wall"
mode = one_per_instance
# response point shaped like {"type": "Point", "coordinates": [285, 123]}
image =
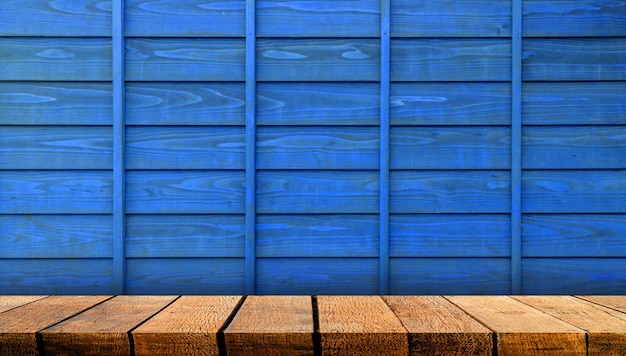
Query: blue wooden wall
{"type": "Point", "coordinates": [313, 146]}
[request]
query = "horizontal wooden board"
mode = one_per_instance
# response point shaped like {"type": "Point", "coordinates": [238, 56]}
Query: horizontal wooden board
{"type": "Point", "coordinates": [56, 236]}
{"type": "Point", "coordinates": [323, 192]}
{"type": "Point", "coordinates": [41, 103]}
{"type": "Point", "coordinates": [450, 60]}
{"type": "Point", "coordinates": [56, 276]}
{"type": "Point", "coordinates": [188, 59]}
{"type": "Point", "coordinates": [75, 59]}
{"type": "Point", "coordinates": [167, 103]}
{"type": "Point", "coordinates": [317, 235]}
{"type": "Point", "coordinates": [449, 18]}
{"type": "Point", "coordinates": [616, 302]}
{"type": "Point", "coordinates": [574, 276]}
{"type": "Point", "coordinates": [450, 191]}
{"type": "Point", "coordinates": [317, 148]}
{"type": "Point", "coordinates": [569, 191]}
{"type": "Point", "coordinates": [573, 147]}
{"type": "Point", "coordinates": [594, 103]}
{"type": "Point", "coordinates": [56, 192]}
{"type": "Point", "coordinates": [208, 276]}
{"type": "Point", "coordinates": [449, 235]}
{"type": "Point", "coordinates": [185, 236]}
{"type": "Point", "coordinates": [546, 18]}
{"type": "Point", "coordinates": [485, 147]}
{"type": "Point", "coordinates": [463, 276]}
{"type": "Point", "coordinates": [574, 59]}
{"type": "Point", "coordinates": [44, 147]}
{"type": "Point", "coordinates": [8, 302]}
{"type": "Point", "coordinates": [185, 147]}
{"type": "Point", "coordinates": [294, 276]}
{"type": "Point", "coordinates": [180, 192]}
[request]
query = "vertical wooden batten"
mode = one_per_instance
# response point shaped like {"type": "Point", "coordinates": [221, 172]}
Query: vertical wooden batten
{"type": "Point", "coordinates": [516, 148]}
{"type": "Point", "coordinates": [385, 20]}
{"type": "Point", "coordinates": [250, 207]}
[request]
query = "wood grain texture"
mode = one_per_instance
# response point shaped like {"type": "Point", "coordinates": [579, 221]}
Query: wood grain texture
{"type": "Point", "coordinates": [568, 191]}
{"type": "Point", "coordinates": [155, 236]}
{"type": "Point", "coordinates": [194, 276]}
{"type": "Point", "coordinates": [272, 325]}
{"type": "Point", "coordinates": [574, 59]}
{"type": "Point", "coordinates": [8, 302]}
{"type": "Point", "coordinates": [573, 235]}
{"type": "Point", "coordinates": [521, 329]}
{"type": "Point", "coordinates": [436, 327]}
{"type": "Point", "coordinates": [18, 327]}
{"type": "Point", "coordinates": [450, 60]}
{"type": "Point", "coordinates": [104, 328]}
{"type": "Point", "coordinates": [448, 18]}
{"type": "Point", "coordinates": [450, 192]}
{"type": "Point", "coordinates": [606, 328]}
{"type": "Point", "coordinates": [616, 302]}
{"type": "Point", "coordinates": [360, 326]}
{"type": "Point", "coordinates": [187, 326]}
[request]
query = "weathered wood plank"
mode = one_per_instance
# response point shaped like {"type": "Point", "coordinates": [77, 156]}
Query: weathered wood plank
{"type": "Point", "coordinates": [154, 236]}
{"type": "Point", "coordinates": [181, 192]}
{"type": "Point", "coordinates": [574, 59]}
{"type": "Point", "coordinates": [521, 329]}
{"type": "Point", "coordinates": [325, 192]}
{"type": "Point", "coordinates": [360, 326]}
{"type": "Point", "coordinates": [8, 302]}
{"type": "Point", "coordinates": [562, 191]}
{"type": "Point", "coordinates": [606, 328]}
{"type": "Point", "coordinates": [18, 327]}
{"type": "Point", "coordinates": [450, 60]}
{"type": "Point", "coordinates": [436, 327]}
{"type": "Point", "coordinates": [272, 325]}
{"type": "Point", "coordinates": [187, 326]}
{"type": "Point", "coordinates": [104, 328]}
{"type": "Point", "coordinates": [617, 302]}
{"type": "Point", "coordinates": [573, 235]}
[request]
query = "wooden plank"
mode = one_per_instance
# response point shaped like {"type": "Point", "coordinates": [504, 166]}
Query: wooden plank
{"type": "Point", "coordinates": [516, 146]}
{"type": "Point", "coordinates": [187, 326]}
{"type": "Point", "coordinates": [450, 60]}
{"type": "Point", "coordinates": [68, 192]}
{"type": "Point", "coordinates": [317, 235]}
{"type": "Point", "coordinates": [278, 325]}
{"type": "Point", "coordinates": [312, 276]}
{"type": "Point", "coordinates": [154, 236]}
{"type": "Point", "coordinates": [568, 191]}
{"type": "Point", "coordinates": [450, 235]}
{"type": "Point", "coordinates": [448, 18]}
{"type": "Point", "coordinates": [185, 103]}
{"type": "Point", "coordinates": [450, 192]}
{"type": "Point", "coordinates": [8, 302]}
{"type": "Point", "coordinates": [318, 60]}
{"type": "Point", "coordinates": [68, 59]}
{"type": "Point", "coordinates": [606, 328]}
{"type": "Point", "coordinates": [103, 329]}
{"type": "Point", "coordinates": [182, 192]}
{"type": "Point", "coordinates": [56, 236]}
{"type": "Point", "coordinates": [223, 276]}
{"type": "Point", "coordinates": [250, 165]}
{"type": "Point", "coordinates": [361, 325]}
{"type": "Point", "coordinates": [303, 147]}
{"type": "Point", "coordinates": [326, 192]}
{"type": "Point", "coordinates": [448, 147]}
{"type": "Point", "coordinates": [385, 103]}
{"type": "Point", "coordinates": [521, 329]}
{"type": "Point", "coordinates": [44, 147]}
{"type": "Point", "coordinates": [436, 327]}
{"type": "Point", "coordinates": [617, 302]}
{"type": "Point", "coordinates": [574, 235]}
{"type": "Point", "coordinates": [433, 276]}
{"type": "Point", "coordinates": [571, 147]}
{"type": "Point", "coordinates": [574, 59]}
{"type": "Point", "coordinates": [18, 327]}
{"type": "Point", "coordinates": [188, 59]}
{"type": "Point", "coordinates": [581, 18]}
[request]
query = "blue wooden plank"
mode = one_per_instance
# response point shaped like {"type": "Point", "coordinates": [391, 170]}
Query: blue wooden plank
{"type": "Point", "coordinates": [385, 91]}
{"type": "Point", "coordinates": [250, 203]}
{"type": "Point", "coordinates": [516, 147]}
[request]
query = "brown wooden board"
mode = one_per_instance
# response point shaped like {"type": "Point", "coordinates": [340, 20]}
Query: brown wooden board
{"type": "Point", "coordinates": [102, 330]}
{"type": "Point", "coordinates": [18, 327]}
{"type": "Point", "coordinates": [617, 302]}
{"type": "Point", "coordinates": [521, 329]}
{"type": "Point", "coordinates": [272, 325]}
{"type": "Point", "coordinates": [8, 302]}
{"type": "Point", "coordinates": [436, 327]}
{"type": "Point", "coordinates": [187, 326]}
{"type": "Point", "coordinates": [360, 325]}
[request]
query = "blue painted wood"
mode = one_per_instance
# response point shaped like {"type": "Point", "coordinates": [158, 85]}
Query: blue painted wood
{"type": "Point", "coordinates": [385, 92]}
{"type": "Point", "coordinates": [516, 147]}
{"type": "Point", "coordinates": [250, 163]}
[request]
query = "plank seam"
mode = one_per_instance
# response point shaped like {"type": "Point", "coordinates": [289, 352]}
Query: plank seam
{"type": "Point", "coordinates": [221, 338]}
{"type": "Point", "coordinates": [131, 339]}
{"type": "Point", "coordinates": [317, 335]}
